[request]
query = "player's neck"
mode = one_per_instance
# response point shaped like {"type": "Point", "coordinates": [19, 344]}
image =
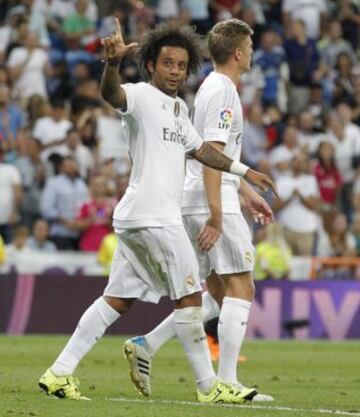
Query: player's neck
{"type": "Point", "coordinates": [230, 71]}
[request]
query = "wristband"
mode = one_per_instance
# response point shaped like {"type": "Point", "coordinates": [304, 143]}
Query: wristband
{"type": "Point", "coordinates": [112, 61]}
{"type": "Point", "coordinates": [238, 168]}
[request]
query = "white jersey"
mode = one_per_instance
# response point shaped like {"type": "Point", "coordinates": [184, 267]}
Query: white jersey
{"type": "Point", "coordinates": [217, 117]}
{"type": "Point", "coordinates": [159, 133]}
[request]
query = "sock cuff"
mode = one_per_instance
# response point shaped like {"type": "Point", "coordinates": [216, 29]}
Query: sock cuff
{"type": "Point", "coordinates": [237, 302]}
{"type": "Point", "coordinates": [188, 315]}
{"type": "Point", "coordinates": [107, 313]}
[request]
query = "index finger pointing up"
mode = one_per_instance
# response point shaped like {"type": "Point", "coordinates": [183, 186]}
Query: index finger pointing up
{"type": "Point", "coordinates": [117, 27]}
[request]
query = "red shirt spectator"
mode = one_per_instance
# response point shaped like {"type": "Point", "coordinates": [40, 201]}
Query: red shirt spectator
{"type": "Point", "coordinates": [327, 174]}
{"type": "Point", "coordinates": [95, 216]}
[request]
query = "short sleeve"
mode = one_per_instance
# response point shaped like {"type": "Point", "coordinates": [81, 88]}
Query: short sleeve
{"type": "Point", "coordinates": [219, 117]}
{"type": "Point", "coordinates": [194, 140]}
{"type": "Point", "coordinates": [135, 94]}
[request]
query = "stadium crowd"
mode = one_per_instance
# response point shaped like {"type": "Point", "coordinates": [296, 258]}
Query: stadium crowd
{"type": "Point", "coordinates": [63, 161]}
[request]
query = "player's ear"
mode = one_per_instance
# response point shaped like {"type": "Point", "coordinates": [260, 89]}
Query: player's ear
{"type": "Point", "coordinates": [150, 67]}
{"type": "Point", "coordinates": [238, 54]}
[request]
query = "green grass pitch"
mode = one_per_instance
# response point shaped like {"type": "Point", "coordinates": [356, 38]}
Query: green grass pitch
{"type": "Point", "coordinates": [304, 378]}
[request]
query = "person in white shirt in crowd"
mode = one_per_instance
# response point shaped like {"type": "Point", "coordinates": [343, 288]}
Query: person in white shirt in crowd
{"type": "Point", "coordinates": [346, 139]}
{"type": "Point", "coordinates": [281, 156]}
{"type": "Point", "coordinates": [309, 139]}
{"type": "Point", "coordinates": [311, 12]}
{"type": "Point", "coordinates": [51, 130]}
{"type": "Point", "coordinates": [298, 206]}
{"type": "Point", "coordinates": [211, 210]}
{"type": "Point", "coordinates": [39, 241]}
{"type": "Point", "coordinates": [335, 45]}
{"type": "Point", "coordinates": [336, 239]}
{"type": "Point", "coordinates": [27, 66]}
{"type": "Point", "coordinates": [81, 153]}
{"type": "Point", "coordinates": [10, 192]}
{"type": "Point", "coordinates": [154, 256]}
{"type": "Point", "coordinates": [18, 244]}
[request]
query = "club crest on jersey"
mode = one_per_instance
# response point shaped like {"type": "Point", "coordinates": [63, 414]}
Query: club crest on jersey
{"type": "Point", "coordinates": [225, 119]}
{"type": "Point", "coordinates": [177, 108]}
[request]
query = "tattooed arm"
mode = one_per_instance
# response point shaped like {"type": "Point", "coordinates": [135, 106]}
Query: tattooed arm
{"type": "Point", "coordinates": [114, 51]}
{"type": "Point", "coordinates": [212, 158]}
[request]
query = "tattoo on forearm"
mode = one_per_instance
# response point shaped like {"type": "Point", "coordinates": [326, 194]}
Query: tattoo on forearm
{"type": "Point", "coordinates": [212, 158]}
{"type": "Point", "coordinates": [110, 83]}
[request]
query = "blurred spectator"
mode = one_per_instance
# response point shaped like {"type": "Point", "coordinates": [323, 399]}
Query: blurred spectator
{"type": "Point", "coordinates": [273, 255]}
{"type": "Point", "coordinates": [346, 140]}
{"type": "Point", "coordinates": [270, 57]}
{"type": "Point", "coordinates": [255, 145]}
{"type": "Point", "coordinates": [36, 108]}
{"type": "Point", "coordinates": [303, 60]}
{"type": "Point", "coordinates": [312, 13]}
{"type": "Point", "coordinates": [82, 155]}
{"type": "Point", "coordinates": [32, 171]}
{"type": "Point", "coordinates": [337, 241]}
{"type": "Point", "coordinates": [327, 175]}
{"type": "Point", "coordinates": [349, 15]}
{"type": "Point", "coordinates": [95, 216]}
{"type": "Point", "coordinates": [51, 130]}
{"type": "Point", "coordinates": [199, 14]}
{"type": "Point", "coordinates": [298, 205]}
{"type": "Point", "coordinates": [355, 230]}
{"type": "Point", "coordinates": [2, 251]}
{"type": "Point", "coordinates": [335, 45]}
{"type": "Point", "coordinates": [39, 241]}
{"type": "Point", "coordinates": [356, 195]}
{"type": "Point", "coordinates": [10, 192]}
{"type": "Point", "coordinates": [166, 10]}
{"type": "Point", "coordinates": [61, 199]}
{"type": "Point", "coordinates": [86, 125]}
{"type": "Point", "coordinates": [250, 87]}
{"type": "Point", "coordinates": [106, 251]}
{"type": "Point", "coordinates": [86, 96]}
{"type": "Point", "coordinates": [225, 9]}
{"type": "Point", "coordinates": [18, 243]}
{"type": "Point", "coordinates": [27, 68]}
{"type": "Point", "coordinates": [9, 29]}
{"type": "Point", "coordinates": [79, 30]}
{"type": "Point", "coordinates": [281, 156]}
{"type": "Point", "coordinates": [11, 119]}
{"type": "Point", "coordinates": [58, 81]}
{"type": "Point", "coordinates": [309, 139]}
{"type": "Point", "coordinates": [343, 90]}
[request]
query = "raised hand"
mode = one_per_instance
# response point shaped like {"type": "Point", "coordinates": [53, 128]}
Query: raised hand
{"type": "Point", "coordinates": [264, 182]}
{"type": "Point", "coordinates": [114, 48]}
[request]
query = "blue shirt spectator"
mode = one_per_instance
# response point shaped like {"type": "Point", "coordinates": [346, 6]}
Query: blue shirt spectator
{"type": "Point", "coordinates": [270, 58]}
{"type": "Point", "coordinates": [61, 199]}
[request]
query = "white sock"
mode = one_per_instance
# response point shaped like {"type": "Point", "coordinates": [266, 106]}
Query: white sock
{"type": "Point", "coordinates": [166, 329]}
{"type": "Point", "coordinates": [190, 331]}
{"type": "Point", "coordinates": [92, 325]}
{"type": "Point", "coordinates": [231, 333]}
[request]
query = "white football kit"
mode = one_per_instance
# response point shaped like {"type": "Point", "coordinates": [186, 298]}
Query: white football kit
{"type": "Point", "coordinates": [154, 255]}
{"type": "Point", "coordinates": [218, 117]}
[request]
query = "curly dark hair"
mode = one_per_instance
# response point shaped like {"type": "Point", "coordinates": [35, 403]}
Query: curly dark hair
{"type": "Point", "coordinates": [170, 34]}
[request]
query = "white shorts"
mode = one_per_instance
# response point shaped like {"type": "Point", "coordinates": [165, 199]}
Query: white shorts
{"type": "Point", "coordinates": [152, 262]}
{"type": "Point", "coordinates": [232, 253]}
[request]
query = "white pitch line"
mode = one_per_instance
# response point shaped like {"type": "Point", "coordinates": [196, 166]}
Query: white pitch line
{"type": "Point", "coordinates": [252, 406]}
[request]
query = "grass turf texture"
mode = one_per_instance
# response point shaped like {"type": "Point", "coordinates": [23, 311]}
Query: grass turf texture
{"type": "Point", "coordinates": [300, 375]}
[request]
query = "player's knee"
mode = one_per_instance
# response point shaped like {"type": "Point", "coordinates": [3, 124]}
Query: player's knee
{"type": "Point", "coordinates": [191, 300]}
{"type": "Point", "coordinates": [121, 305]}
